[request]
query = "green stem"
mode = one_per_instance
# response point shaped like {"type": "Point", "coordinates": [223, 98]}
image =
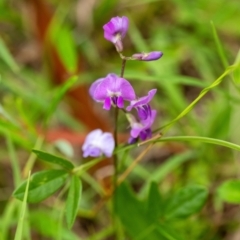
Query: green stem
{"type": "Point", "coordinates": [115, 158]}
{"type": "Point", "coordinates": [193, 103]}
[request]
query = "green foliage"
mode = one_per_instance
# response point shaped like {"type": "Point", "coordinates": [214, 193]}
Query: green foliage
{"type": "Point", "coordinates": [46, 223]}
{"type": "Point", "coordinates": [149, 218]}
{"type": "Point", "coordinates": [54, 159]}
{"type": "Point", "coordinates": [73, 198]}
{"type": "Point", "coordinates": [229, 191]}
{"type": "Point", "coordinates": [59, 93]}
{"type": "Point", "coordinates": [7, 57]}
{"type": "Point", "coordinates": [186, 202]}
{"type": "Point", "coordinates": [198, 113]}
{"type": "Point", "coordinates": [19, 231]}
{"type": "Point", "coordinates": [42, 185]}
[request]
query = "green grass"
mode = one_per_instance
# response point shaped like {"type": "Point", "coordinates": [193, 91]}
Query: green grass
{"type": "Point", "coordinates": [198, 113]}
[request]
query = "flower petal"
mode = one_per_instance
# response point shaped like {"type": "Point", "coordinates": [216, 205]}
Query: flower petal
{"type": "Point", "coordinates": [94, 86]}
{"type": "Point", "coordinates": [113, 85]}
{"type": "Point", "coordinates": [120, 102]}
{"type": "Point", "coordinates": [92, 151]}
{"type": "Point", "coordinates": [107, 103]}
{"type": "Point", "coordinates": [117, 25]}
{"type": "Point", "coordinates": [149, 121]}
{"type": "Point", "coordinates": [142, 100]}
{"type": "Point", "coordinates": [91, 137]}
{"type": "Point", "coordinates": [107, 144]}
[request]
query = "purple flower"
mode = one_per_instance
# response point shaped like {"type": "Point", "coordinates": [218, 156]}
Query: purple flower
{"type": "Point", "coordinates": [142, 106]}
{"type": "Point", "coordinates": [115, 30]}
{"type": "Point", "coordinates": [112, 90]}
{"type": "Point", "coordinates": [151, 56]}
{"type": "Point", "coordinates": [98, 143]}
{"type": "Point", "coordinates": [142, 129]}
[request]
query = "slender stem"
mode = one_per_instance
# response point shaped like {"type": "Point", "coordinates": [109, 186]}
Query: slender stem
{"type": "Point", "coordinates": [115, 158]}
{"type": "Point", "coordinates": [135, 162]}
{"type": "Point", "coordinates": [123, 67]}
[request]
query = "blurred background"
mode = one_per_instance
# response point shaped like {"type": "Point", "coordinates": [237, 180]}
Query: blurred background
{"type": "Point", "coordinates": [43, 43]}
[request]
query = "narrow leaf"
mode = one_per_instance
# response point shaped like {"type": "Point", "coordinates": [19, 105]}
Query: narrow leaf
{"type": "Point", "coordinates": [54, 159]}
{"type": "Point", "coordinates": [18, 235]}
{"type": "Point", "coordinates": [42, 185]}
{"type": "Point", "coordinates": [186, 202]}
{"type": "Point", "coordinates": [73, 199]}
{"type": "Point", "coordinates": [7, 57]}
{"type": "Point", "coordinates": [200, 139]}
{"type": "Point", "coordinates": [60, 92]}
{"type": "Point", "coordinates": [221, 53]}
{"type": "Point", "coordinates": [229, 191]}
{"type": "Point", "coordinates": [154, 203]}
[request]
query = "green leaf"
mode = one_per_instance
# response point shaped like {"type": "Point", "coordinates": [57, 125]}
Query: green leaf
{"type": "Point", "coordinates": [7, 57]}
{"type": "Point", "coordinates": [129, 209]}
{"type": "Point", "coordinates": [229, 191]}
{"type": "Point", "coordinates": [154, 203]}
{"type": "Point", "coordinates": [54, 159]}
{"type": "Point", "coordinates": [47, 223]}
{"type": "Point", "coordinates": [58, 95]}
{"type": "Point", "coordinates": [61, 36]}
{"type": "Point", "coordinates": [135, 214]}
{"type": "Point", "coordinates": [73, 199]}
{"type": "Point", "coordinates": [42, 185]}
{"type": "Point", "coordinates": [186, 202]}
{"type": "Point", "coordinates": [19, 231]}
{"type": "Point", "coordinates": [168, 232]}
{"type": "Point", "coordinates": [221, 53]}
{"type": "Point", "coordinates": [200, 139]}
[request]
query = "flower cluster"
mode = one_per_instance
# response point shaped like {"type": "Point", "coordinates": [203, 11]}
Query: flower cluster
{"type": "Point", "coordinates": [114, 91]}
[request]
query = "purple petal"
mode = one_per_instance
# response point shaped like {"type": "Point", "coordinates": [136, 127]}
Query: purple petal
{"type": "Point", "coordinates": [116, 26]}
{"type": "Point", "coordinates": [107, 103]}
{"type": "Point", "coordinates": [91, 137]}
{"type": "Point", "coordinates": [147, 133]}
{"type": "Point", "coordinates": [149, 121]}
{"type": "Point", "coordinates": [142, 100]}
{"type": "Point", "coordinates": [136, 129]}
{"type": "Point", "coordinates": [127, 90]}
{"type": "Point", "coordinates": [94, 86]}
{"type": "Point", "coordinates": [97, 143]}
{"type": "Point", "coordinates": [144, 111]}
{"type": "Point", "coordinates": [132, 140]}
{"type": "Point", "coordinates": [143, 129]}
{"type": "Point", "coordinates": [113, 85]}
{"type": "Point", "coordinates": [107, 144]}
{"type": "Point", "coordinates": [92, 152]}
{"type": "Point", "coordinates": [125, 24]}
{"type": "Point", "coordinates": [120, 102]}
{"type": "Point", "coordinates": [151, 56]}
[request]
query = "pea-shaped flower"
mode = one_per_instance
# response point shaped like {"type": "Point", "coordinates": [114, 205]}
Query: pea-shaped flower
{"type": "Point", "coordinates": [142, 105]}
{"type": "Point", "coordinates": [142, 129]}
{"type": "Point", "coordinates": [98, 143]}
{"type": "Point", "coordinates": [115, 30]}
{"type": "Point", "coordinates": [112, 90]}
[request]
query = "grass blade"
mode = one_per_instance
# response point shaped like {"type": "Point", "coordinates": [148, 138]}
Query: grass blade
{"type": "Point", "coordinates": [201, 139]}
{"type": "Point", "coordinates": [7, 58]}
{"type": "Point", "coordinates": [19, 231]}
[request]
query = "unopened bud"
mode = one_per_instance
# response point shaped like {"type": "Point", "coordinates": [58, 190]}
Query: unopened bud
{"type": "Point", "coordinates": [151, 56]}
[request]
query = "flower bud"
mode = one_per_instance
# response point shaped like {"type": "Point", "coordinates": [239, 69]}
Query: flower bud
{"type": "Point", "coordinates": [151, 56]}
